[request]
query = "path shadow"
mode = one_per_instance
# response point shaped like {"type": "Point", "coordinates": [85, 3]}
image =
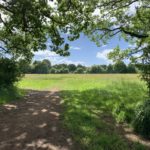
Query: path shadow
{"type": "Point", "coordinates": [34, 123]}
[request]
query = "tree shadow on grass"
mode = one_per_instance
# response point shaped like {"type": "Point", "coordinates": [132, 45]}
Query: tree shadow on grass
{"type": "Point", "coordinates": [34, 123]}
{"type": "Point", "coordinates": [88, 116]}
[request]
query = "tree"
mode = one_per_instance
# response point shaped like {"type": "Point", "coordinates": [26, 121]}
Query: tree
{"type": "Point", "coordinates": [52, 70]}
{"type": "Point", "coordinates": [79, 70]}
{"type": "Point", "coordinates": [24, 66]}
{"type": "Point", "coordinates": [120, 67]}
{"type": "Point", "coordinates": [131, 68]}
{"type": "Point", "coordinates": [47, 62]}
{"type": "Point", "coordinates": [110, 69]}
{"type": "Point", "coordinates": [96, 69]}
{"type": "Point", "coordinates": [104, 68]}
{"type": "Point", "coordinates": [72, 68]}
{"type": "Point", "coordinates": [40, 67]}
{"type": "Point", "coordinates": [26, 25]}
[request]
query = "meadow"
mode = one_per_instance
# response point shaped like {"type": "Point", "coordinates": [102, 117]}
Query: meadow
{"type": "Point", "coordinates": [94, 106]}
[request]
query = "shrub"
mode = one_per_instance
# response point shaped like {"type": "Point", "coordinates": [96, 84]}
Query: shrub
{"type": "Point", "coordinates": [9, 72]}
{"type": "Point", "coordinates": [141, 122]}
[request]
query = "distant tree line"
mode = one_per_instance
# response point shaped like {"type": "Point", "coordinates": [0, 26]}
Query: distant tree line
{"type": "Point", "coordinates": [45, 67]}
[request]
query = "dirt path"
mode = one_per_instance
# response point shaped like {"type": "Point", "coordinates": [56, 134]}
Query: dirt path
{"type": "Point", "coordinates": [34, 124]}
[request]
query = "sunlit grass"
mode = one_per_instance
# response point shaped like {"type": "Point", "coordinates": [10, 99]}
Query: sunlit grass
{"type": "Point", "coordinates": [74, 81]}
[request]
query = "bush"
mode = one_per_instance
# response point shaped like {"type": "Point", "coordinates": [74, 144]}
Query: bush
{"type": "Point", "coordinates": [141, 122]}
{"type": "Point", "coordinates": [9, 72]}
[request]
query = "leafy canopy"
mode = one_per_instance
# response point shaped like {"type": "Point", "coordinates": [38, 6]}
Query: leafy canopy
{"type": "Point", "coordinates": [27, 25]}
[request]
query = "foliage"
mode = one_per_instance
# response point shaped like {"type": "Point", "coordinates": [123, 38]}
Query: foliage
{"type": "Point", "coordinates": [123, 113]}
{"type": "Point", "coordinates": [110, 69]}
{"type": "Point", "coordinates": [79, 70]}
{"type": "Point", "coordinates": [10, 93]}
{"type": "Point", "coordinates": [47, 62]}
{"type": "Point", "coordinates": [30, 23]}
{"type": "Point", "coordinates": [142, 120]}
{"type": "Point", "coordinates": [27, 25]}
{"type": "Point", "coordinates": [53, 70]}
{"type": "Point", "coordinates": [95, 69]}
{"type": "Point", "coordinates": [72, 68]}
{"type": "Point", "coordinates": [145, 71]}
{"type": "Point", "coordinates": [45, 67]}
{"type": "Point", "coordinates": [62, 70]}
{"type": "Point", "coordinates": [120, 67]}
{"type": "Point", "coordinates": [24, 66]}
{"type": "Point", "coordinates": [131, 68]}
{"type": "Point", "coordinates": [9, 72]}
{"type": "Point", "coordinates": [41, 67]}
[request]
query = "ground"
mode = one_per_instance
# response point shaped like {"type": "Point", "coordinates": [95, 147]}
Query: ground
{"type": "Point", "coordinates": [34, 123]}
{"type": "Point", "coordinates": [82, 115]}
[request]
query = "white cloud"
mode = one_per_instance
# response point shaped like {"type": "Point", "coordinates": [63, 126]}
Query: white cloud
{"type": "Point", "coordinates": [132, 8]}
{"type": "Point", "coordinates": [132, 45]}
{"type": "Point", "coordinates": [104, 46]}
{"type": "Point", "coordinates": [67, 61]}
{"type": "Point", "coordinates": [45, 53]}
{"type": "Point", "coordinates": [75, 48]}
{"type": "Point", "coordinates": [54, 58]}
{"type": "Point", "coordinates": [103, 55]}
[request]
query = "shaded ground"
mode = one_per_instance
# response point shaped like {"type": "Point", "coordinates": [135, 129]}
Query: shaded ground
{"type": "Point", "coordinates": [34, 123]}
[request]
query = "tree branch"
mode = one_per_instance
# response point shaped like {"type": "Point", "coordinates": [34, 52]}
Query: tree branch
{"type": "Point", "coordinates": [133, 34]}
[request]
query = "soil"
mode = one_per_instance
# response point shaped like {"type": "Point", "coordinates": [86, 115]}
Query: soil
{"type": "Point", "coordinates": [34, 123]}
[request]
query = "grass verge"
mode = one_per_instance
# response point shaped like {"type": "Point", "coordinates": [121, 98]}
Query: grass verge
{"type": "Point", "coordinates": [9, 94]}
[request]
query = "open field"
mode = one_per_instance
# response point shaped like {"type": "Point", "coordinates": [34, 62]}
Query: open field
{"type": "Point", "coordinates": [94, 106]}
{"type": "Point", "coordinates": [90, 101]}
{"type": "Point", "coordinates": [77, 81]}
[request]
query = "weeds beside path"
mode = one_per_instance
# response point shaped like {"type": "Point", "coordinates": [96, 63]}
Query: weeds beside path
{"type": "Point", "coordinates": [34, 123]}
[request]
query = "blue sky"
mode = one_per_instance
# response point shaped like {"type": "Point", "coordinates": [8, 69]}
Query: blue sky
{"type": "Point", "coordinates": [83, 51]}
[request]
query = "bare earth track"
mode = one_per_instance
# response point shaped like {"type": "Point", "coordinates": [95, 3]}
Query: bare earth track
{"type": "Point", "coordinates": [34, 123]}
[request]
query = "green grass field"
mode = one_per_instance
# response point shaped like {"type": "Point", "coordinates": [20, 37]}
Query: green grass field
{"type": "Point", "coordinates": [93, 104]}
{"type": "Point", "coordinates": [76, 81]}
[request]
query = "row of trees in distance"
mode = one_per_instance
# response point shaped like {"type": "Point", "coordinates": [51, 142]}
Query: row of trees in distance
{"type": "Point", "coordinates": [45, 67]}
